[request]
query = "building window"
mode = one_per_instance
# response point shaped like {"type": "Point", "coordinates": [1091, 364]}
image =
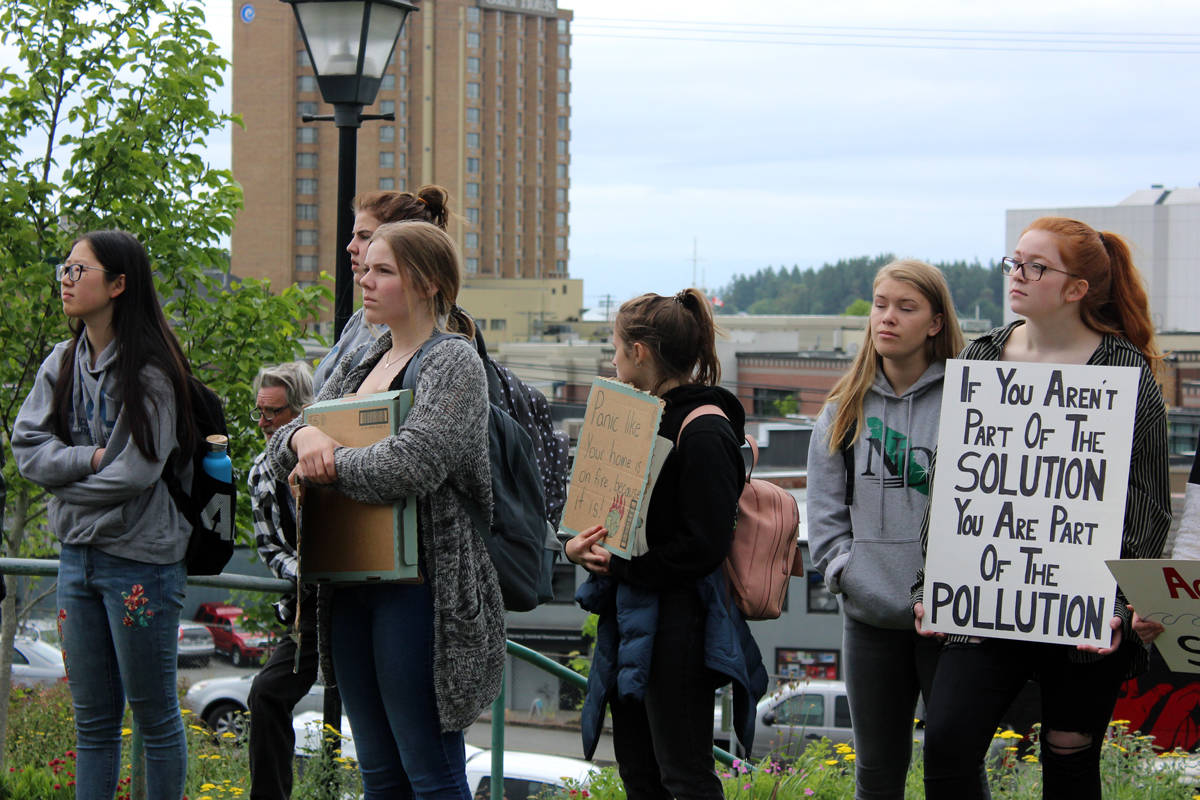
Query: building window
{"type": "Point", "coordinates": [306, 237]}
{"type": "Point", "coordinates": [472, 265]}
{"type": "Point", "coordinates": [498, 324]}
{"type": "Point", "coordinates": [562, 52]}
{"type": "Point", "coordinates": [560, 147]}
{"type": "Point", "coordinates": [306, 263]}
{"type": "Point", "coordinates": [306, 83]}
{"type": "Point", "coordinates": [473, 115]}
{"type": "Point", "coordinates": [517, 218]}
{"type": "Point", "coordinates": [387, 159]}
{"type": "Point", "coordinates": [473, 141]}
{"type": "Point", "coordinates": [389, 107]}
{"type": "Point", "coordinates": [562, 98]}
{"type": "Point", "coordinates": [401, 160]}
{"type": "Point", "coordinates": [520, 120]}
{"type": "Point", "coordinates": [306, 135]}
{"type": "Point", "coordinates": [472, 190]}
{"type": "Point", "coordinates": [387, 184]}
{"type": "Point", "coordinates": [560, 196]}
{"type": "Point", "coordinates": [402, 82]}
{"type": "Point", "coordinates": [561, 170]}
{"type": "Point", "coordinates": [387, 133]}
{"type": "Point", "coordinates": [473, 65]}
{"type": "Point", "coordinates": [306, 107]}
{"type": "Point", "coordinates": [473, 216]}
{"type": "Point", "coordinates": [560, 219]}
{"type": "Point", "coordinates": [306, 186]}
{"type": "Point", "coordinates": [561, 74]}
{"type": "Point", "coordinates": [472, 39]}
{"type": "Point", "coordinates": [560, 265]}
{"type": "Point", "coordinates": [560, 243]}
{"type": "Point", "coordinates": [562, 123]}
{"type": "Point", "coordinates": [471, 241]}
{"type": "Point", "coordinates": [562, 27]}
{"type": "Point", "coordinates": [520, 95]}
{"type": "Point", "coordinates": [306, 160]}
{"type": "Point", "coordinates": [388, 83]}
{"type": "Point", "coordinates": [306, 210]}
{"type": "Point", "coordinates": [402, 132]}
{"type": "Point", "coordinates": [472, 14]}
{"type": "Point", "coordinates": [820, 600]}
{"type": "Point", "coordinates": [473, 90]}
{"type": "Point", "coordinates": [302, 59]}
{"type": "Point", "coordinates": [473, 165]}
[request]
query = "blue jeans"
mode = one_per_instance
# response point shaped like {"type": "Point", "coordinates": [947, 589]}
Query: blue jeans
{"type": "Point", "coordinates": [120, 631]}
{"type": "Point", "coordinates": [383, 658]}
{"type": "Point", "coordinates": [885, 671]}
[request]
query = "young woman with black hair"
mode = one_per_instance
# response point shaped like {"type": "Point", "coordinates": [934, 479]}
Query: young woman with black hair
{"type": "Point", "coordinates": [96, 432]}
{"type": "Point", "coordinates": [1083, 302]}
{"type": "Point", "coordinates": [680, 636]}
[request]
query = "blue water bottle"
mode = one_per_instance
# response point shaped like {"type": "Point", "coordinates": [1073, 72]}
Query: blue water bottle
{"type": "Point", "coordinates": [216, 459]}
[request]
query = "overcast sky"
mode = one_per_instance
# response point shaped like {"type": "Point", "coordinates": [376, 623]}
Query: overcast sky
{"type": "Point", "coordinates": [778, 132]}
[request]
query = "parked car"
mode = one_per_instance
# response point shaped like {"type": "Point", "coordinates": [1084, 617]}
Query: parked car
{"type": "Point", "coordinates": [36, 663]}
{"type": "Point", "coordinates": [221, 702]}
{"type": "Point", "coordinates": [242, 647]}
{"type": "Point", "coordinates": [787, 720]}
{"type": "Point", "coordinates": [526, 775]}
{"type": "Point", "coordinates": [195, 644]}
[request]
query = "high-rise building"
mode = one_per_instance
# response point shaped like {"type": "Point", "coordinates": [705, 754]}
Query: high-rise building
{"type": "Point", "coordinates": [481, 94]}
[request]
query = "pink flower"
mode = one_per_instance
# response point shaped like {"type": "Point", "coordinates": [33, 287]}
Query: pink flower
{"type": "Point", "coordinates": [809, 792]}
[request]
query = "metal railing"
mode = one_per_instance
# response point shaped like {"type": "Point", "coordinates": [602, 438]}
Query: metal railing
{"type": "Point", "coordinates": [49, 568]}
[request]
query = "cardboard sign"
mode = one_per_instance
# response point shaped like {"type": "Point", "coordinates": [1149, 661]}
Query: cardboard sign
{"type": "Point", "coordinates": [343, 540]}
{"type": "Point", "coordinates": [614, 459]}
{"type": "Point", "coordinates": [1166, 591]}
{"type": "Point", "coordinates": [1029, 500]}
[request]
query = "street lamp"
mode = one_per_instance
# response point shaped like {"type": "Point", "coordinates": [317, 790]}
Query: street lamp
{"type": "Point", "coordinates": [349, 43]}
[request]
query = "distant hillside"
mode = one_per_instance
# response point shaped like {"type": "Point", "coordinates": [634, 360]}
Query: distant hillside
{"type": "Point", "coordinates": [832, 288]}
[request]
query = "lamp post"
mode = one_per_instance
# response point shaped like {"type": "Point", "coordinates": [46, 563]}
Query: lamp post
{"type": "Point", "coordinates": [350, 43]}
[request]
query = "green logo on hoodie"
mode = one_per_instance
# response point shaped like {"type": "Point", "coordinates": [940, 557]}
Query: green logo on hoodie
{"type": "Point", "coordinates": [898, 457]}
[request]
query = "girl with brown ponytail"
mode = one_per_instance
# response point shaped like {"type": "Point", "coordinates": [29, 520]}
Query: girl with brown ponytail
{"type": "Point", "coordinates": [1083, 302]}
{"type": "Point", "coordinates": [679, 637]}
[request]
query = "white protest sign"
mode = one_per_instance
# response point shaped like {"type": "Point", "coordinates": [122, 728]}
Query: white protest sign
{"type": "Point", "coordinates": [1028, 500]}
{"type": "Point", "coordinates": [1168, 592]}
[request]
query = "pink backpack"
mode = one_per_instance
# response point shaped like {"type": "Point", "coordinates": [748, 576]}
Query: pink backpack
{"type": "Point", "coordinates": [766, 551]}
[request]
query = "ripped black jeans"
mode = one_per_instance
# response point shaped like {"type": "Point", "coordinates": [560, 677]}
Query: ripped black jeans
{"type": "Point", "coordinates": [974, 685]}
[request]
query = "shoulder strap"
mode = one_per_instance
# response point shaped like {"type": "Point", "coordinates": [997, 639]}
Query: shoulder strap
{"type": "Point", "coordinates": [414, 364]}
{"type": "Point", "coordinates": [715, 410]}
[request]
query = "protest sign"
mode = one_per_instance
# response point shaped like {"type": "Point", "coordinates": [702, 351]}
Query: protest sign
{"type": "Point", "coordinates": [1166, 591]}
{"type": "Point", "coordinates": [1029, 500]}
{"type": "Point", "coordinates": [613, 476]}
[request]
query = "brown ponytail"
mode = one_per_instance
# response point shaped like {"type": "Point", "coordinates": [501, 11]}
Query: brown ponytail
{"type": "Point", "coordinates": [1116, 300]}
{"type": "Point", "coordinates": [429, 204]}
{"type": "Point", "coordinates": [679, 331]}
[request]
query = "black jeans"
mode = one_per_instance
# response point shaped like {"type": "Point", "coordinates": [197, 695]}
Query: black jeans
{"type": "Point", "coordinates": [273, 695]}
{"type": "Point", "coordinates": [664, 744]}
{"type": "Point", "coordinates": [974, 685]}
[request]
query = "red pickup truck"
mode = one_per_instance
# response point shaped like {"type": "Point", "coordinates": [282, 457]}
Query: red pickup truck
{"type": "Point", "coordinates": [242, 647]}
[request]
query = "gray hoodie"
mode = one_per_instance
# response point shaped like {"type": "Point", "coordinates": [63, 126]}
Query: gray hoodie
{"type": "Point", "coordinates": [124, 509]}
{"type": "Point", "coordinates": [870, 551]}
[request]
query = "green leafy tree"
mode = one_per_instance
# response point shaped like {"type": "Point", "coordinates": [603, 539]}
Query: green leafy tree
{"type": "Point", "coordinates": [859, 308]}
{"type": "Point", "coordinates": [103, 117]}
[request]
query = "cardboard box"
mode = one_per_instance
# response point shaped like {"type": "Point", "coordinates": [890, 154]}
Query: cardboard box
{"type": "Point", "coordinates": [342, 540]}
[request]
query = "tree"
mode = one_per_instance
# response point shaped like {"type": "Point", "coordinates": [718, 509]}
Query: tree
{"type": "Point", "coordinates": [859, 308]}
{"type": "Point", "coordinates": [102, 122]}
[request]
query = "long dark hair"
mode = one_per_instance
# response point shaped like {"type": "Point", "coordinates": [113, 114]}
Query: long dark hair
{"type": "Point", "coordinates": [143, 338]}
{"type": "Point", "coordinates": [678, 331]}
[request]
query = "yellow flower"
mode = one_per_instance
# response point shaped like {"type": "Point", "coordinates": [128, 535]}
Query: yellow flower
{"type": "Point", "coordinates": [183, 712]}
{"type": "Point", "coordinates": [1011, 749]}
{"type": "Point", "coordinates": [228, 735]}
{"type": "Point", "coordinates": [850, 756]}
{"type": "Point", "coordinates": [1029, 758]}
{"type": "Point", "coordinates": [126, 731]}
{"type": "Point", "coordinates": [207, 787]}
{"type": "Point", "coordinates": [831, 761]}
{"type": "Point", "coordinates": [1008, 735]}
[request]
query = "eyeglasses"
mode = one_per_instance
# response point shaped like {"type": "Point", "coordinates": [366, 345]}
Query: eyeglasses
{"type": "Point", "coordinates": [268, 414]}
{"type": "Point", "coordinates": [73, 271]}
{"type": "Point", "coordinates": [1030, 270]}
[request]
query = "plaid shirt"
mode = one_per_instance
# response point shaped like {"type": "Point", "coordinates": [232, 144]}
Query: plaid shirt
{"type": "Point", "coordinates": [265, 499]}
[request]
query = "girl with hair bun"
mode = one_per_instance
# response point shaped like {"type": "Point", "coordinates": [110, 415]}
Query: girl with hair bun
{"type": "Point", "coordinates": [1083, 302]}
{"type": "Point", "coordinates": [882, 418]}
{"type": "Point", "coordinates": [431, 204]}
{"type": "Point", "coordinates": [679, 637]}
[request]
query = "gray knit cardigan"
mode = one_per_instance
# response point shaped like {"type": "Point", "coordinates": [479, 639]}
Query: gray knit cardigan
{"type": "Point", "coordinates": [440, 454]}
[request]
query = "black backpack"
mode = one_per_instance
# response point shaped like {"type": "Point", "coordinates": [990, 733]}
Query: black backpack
{"type": "Point", "coordinates": [519, 533]}
{"type": "Point", "coordinates": [210, 504]}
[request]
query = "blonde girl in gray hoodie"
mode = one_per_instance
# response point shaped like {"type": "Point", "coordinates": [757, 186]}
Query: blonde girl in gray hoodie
{"type": "Point", "coordinates": [868, 486]}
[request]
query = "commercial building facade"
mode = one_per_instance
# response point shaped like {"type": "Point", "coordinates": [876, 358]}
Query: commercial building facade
{"type": "Point", "coordinates": [480, 90]}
